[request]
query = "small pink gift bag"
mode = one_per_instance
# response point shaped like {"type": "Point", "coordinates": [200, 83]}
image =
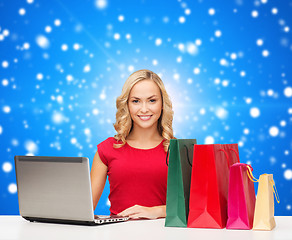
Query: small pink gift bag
{"type": "Point", "coordinates": [241, 197]}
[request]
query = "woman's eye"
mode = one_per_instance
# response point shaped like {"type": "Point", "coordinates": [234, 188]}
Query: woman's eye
{"type": "Point", "coordinates": [153, 100]}
{"type": "Point", "coordinates": [135, 101]}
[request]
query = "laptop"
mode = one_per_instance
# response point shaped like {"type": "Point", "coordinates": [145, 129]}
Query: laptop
{"type": "Point", "coordinates": [57, 190]}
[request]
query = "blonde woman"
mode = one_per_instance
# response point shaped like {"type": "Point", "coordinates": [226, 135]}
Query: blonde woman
{"type": "Point", "coordinates": [134, 159]}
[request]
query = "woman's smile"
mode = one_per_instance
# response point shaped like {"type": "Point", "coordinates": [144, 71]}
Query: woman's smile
{"type": "Point", "coordinates": [144, 117]}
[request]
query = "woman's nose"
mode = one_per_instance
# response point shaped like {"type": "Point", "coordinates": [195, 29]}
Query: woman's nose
{"type": "Point", "coordinates": [144, 107]}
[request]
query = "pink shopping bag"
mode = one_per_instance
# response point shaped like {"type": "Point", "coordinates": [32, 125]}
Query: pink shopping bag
{"type": "Point", "coordinates": [241, 197]}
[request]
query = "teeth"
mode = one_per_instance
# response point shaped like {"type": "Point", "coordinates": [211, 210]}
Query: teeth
{"type": "Point", "coordinates": [144, 117]}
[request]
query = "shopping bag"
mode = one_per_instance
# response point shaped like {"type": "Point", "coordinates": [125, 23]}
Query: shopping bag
{"type": "Point", "coordinates": [241, 197]}
{"type": "Point", "coordinates": [264, 208]}
{"type": "Point", "coordinates": [209, 184]}
{"type": "Point", "coordinates": [178, 182]}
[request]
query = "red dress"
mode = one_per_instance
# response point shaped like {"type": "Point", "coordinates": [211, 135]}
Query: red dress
{"type": "Point", "coordinates": [136, 176]}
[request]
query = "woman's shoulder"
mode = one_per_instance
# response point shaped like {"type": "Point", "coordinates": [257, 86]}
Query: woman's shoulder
{"type": "Point", "coordinates": [108, 141]}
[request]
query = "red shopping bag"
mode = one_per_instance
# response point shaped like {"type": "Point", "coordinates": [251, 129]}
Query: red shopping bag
{"type": "Point", "coordinates": [209, 184]}
{"type": "Point", "coordinates": [241, 197]}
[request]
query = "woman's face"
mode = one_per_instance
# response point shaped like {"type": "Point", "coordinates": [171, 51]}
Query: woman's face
{"type": "Point", "coordinates": [145, 104]}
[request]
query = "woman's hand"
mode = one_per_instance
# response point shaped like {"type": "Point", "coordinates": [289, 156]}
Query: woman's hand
{"type": "Point", "coordinates": [138, 211]}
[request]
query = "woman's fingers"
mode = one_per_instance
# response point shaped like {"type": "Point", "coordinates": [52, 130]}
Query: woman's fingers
{"type": "Point", "coordinates": [130, 211]}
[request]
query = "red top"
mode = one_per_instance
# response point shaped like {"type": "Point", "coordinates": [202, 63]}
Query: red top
{"type": "Point", "coordinates": [136, 176]}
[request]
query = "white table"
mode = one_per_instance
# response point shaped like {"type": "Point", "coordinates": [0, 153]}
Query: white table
{"type": "Point", "coordinates": [15, 227]}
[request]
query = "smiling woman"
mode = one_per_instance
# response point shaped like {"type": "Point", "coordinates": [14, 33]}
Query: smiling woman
{"type": "Point", "coordinates": [134, 159]}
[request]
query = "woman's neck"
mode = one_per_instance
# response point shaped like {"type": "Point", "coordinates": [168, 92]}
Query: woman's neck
{"type": "Point", "coordinates": [144, 134]}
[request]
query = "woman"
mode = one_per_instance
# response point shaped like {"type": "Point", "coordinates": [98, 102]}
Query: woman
{"type": "Point", "coordinates": [134, 159]}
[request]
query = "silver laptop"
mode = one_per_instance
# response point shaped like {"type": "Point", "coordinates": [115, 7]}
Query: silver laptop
{"type": "Point", "coordinates": [57, 190]}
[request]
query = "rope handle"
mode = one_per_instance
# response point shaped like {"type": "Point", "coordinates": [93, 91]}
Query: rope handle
{"type": "Point", "coordinates": [187, 155]}
{"type": "Point", "coordinates": [275, 191]}
{"type": "Point", "coordinates": [237, 155]}
{"type": "Point", "coordinates": [253, 179]}
{"type": "Point", "coordinates": [228, 157]}
{"type": "Point", "coordinates": [167, 155]}
{"type": "Point", "coordinates": [222, 150]}
{"type": "Point", "coordinates": [249, 174]}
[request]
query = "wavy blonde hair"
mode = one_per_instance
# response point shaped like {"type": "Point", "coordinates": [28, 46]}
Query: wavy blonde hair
{"type": "Point", "coordinates": [124, 124]}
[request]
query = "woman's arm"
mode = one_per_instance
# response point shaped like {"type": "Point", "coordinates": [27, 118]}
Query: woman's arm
{"type": "Point", "coordinates": [98, 176]}
{"type": "Point", "coordinates": [138, 211]}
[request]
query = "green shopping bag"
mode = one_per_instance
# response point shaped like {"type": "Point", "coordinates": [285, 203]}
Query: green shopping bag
{"type": "Point", "coordinates": [180, 153]}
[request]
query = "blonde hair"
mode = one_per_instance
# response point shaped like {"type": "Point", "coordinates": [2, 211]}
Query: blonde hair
{"type": "Point", "coordinates": [123, 124]}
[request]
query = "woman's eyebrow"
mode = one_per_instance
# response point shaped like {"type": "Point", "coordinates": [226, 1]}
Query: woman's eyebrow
{"type": "Point", "coordinates": [147, 98]}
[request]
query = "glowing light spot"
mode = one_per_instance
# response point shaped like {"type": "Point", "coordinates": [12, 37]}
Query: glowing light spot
{"type": "Point", "coordinates": [246, 131]}
{"type": "Point", "coordinates": [254, 14]}
{"type": "Point", "coordinates": [5, 64]}
{"type": "Point", "coordinates": [121, 18]}
{"type": "Point", "coordinates": [198, 42]}
{"type": "Point", "coordinates": [182, 19]}
{"type": "Point", "coordinates": [197, 71]}
{"type": "Point", "coordinates": [274, 131]}
{"type": "Point", "coordinates": [288, 174]}
{"type": "Point", "coordinates": [95, 111]}
{"type": "Point", "coordinates": [21, 11]}
{"type": "Point", "coordinates": [7, 167]}
{"type": "Point", "coordinates": [42, 42]}
{"type": "Point", "coordinates": [209, 140]}
{"type": "Point", "coordinates": [76, 46]}
{"type": "Point", "coordinates": [260, 42]}
{"type": "Point", "coordinates": [101, 4]}
{"type": "Point", "coordinates": [57, 22]}
{"type": "Point", "coordinates": [6, 33]}
{"type": "Point", "coordinates": [187, 11]}
{"type": "Point", "coordinates": [158, 41]}
{"type": "Point", "coordinates": [117, 36]}
{"type": "Point", "coordinates": [6, 109]}
{"type": "Point", "coordinates": [48, 29]}
{"type": "Point", "coordinates": [69, 78]}
{"type": "Point", "coordinates": [39, 76]}
{"type": "Point", "coordinates": [221, 113]}
{"type": "Point", "coordinates": [64, 47]}
{"type": "Point", "coordinates": [86, 68]}
{"type": "Point", "coordinates": [58, 117]}
{"type": "Point", "coordinates": [31, 146]}
{"type": "Point", "coordinates": [211, 11]}
{"type": "Point", "coordinates": [12, 188]}
{"type": "Point", "coordinates": [288, 92]}
{"type": "Point", "coordinates": [254, 112]}
{"type": "Point", "coordinates": [274, 11]}
{"type": "Point", "coordinates": [218, 33]}
{"type": "Point", "coordinates": [5, 82]}
{"type": "Point", "coordinates": [192, 48]}
{"type": "Point", "coordinates": [73, 140]}
{"type": "Point", "coordinates": [265, 53]}
{"type": "Point", "coordinates": [87, 131]}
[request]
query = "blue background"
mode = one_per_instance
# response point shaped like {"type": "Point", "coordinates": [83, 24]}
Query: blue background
{"type": "Point", "coordinates": [226, 66]}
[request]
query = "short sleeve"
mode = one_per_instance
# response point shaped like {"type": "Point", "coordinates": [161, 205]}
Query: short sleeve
{"type": "Point", "coordinates": [104, 149]}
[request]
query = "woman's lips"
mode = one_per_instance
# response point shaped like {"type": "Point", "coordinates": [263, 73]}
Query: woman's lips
{"type": "Point", "coordinates": [144, 117]}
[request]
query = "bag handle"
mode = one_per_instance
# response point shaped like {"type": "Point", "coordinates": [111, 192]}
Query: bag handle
{"type": "Point", "coordinates": [225, 156]}
{"type": "Point", "coordinates": [236, 154]}
{"type": "Point", "coordinates": [187, 155]}
{"type": "Point", "coordinates": [275, 190]}
{"type": "Point", "coordinates": [228, 157]}
{"type": "Point", "coordinates": [167, 155]}
{"type": "Point", "coordinates": [253, 179]}
{"type": "Point", "coordinates": [249, 174]}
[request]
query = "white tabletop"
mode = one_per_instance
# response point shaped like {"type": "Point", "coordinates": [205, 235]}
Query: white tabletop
{"type": "Point", "coordinates": [15, 227]}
